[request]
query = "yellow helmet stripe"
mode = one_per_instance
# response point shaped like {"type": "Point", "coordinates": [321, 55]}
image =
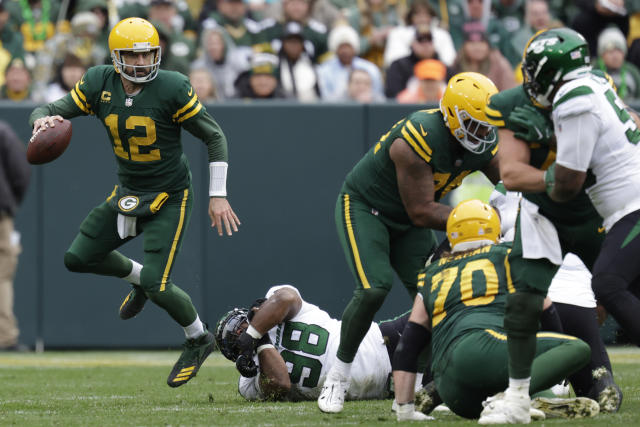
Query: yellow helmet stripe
{"type": "Point", "coordinates": [415, 146]}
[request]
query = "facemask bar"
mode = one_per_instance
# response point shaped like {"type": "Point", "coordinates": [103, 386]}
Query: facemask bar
{"type": "Point", "coordinates": [116, 55]}
{"type": "Point", "coordinates": [474, 135]}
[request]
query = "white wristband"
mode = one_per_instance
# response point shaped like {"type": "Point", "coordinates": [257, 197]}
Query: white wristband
{"type": "Point", "coordinates": [254, 332]}
{"type": "Point", "coordinates": [218, 179]}
{"type": "Point", "coordinates": [264, 347]}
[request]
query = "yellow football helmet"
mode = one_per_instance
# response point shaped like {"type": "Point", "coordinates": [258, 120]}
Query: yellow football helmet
{"type": "Point", "coordinates": [135, 35]}
{"type": "Point", "coordinates": [462, 106]}
{"type": "Point", "coordinates": [472, 224]}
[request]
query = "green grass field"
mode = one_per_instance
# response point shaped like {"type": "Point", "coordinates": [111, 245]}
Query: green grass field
{"type": "Point", "coordinates": [118, 388]}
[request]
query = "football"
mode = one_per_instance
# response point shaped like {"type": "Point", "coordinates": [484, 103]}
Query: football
{"type": "Point", "coordinates": [47, 145]}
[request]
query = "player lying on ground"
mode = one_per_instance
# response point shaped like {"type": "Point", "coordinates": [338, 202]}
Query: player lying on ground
{"type": "Point", "coordinates": [460, 307]}
{"type": "Point", "coordinates": [281, 347]}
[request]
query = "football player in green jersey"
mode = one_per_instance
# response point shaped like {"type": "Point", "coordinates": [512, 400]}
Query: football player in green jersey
{"type": "Point", "coordinates": [461, 301]}
{"type": "Point", "coordinates": [389, 205]}
{"type": "Point", "coordinates": [143, 110]}
{"type": "Point", "coordinates": [546, 230]}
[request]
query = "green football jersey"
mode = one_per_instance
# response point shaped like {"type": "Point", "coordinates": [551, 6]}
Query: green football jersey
{"type": "Point", "coordinates": [543, 154]}
{"type": "Point", "coordinates": [464, 292]}
{"type": "Point", "coordinates": [374, 176]}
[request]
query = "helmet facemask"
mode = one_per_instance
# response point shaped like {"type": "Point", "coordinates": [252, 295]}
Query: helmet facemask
{"type": "Point", "coordinates": [475, 135]}
{"type": "Point", "coordinates": [139, 75]}
{"type": "Point", "coordinates": [228, 329]}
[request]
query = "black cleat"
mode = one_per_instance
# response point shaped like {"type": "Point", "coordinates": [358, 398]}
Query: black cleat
{"type": "Point", "coordinates": [605, 391]}
{"type": "Point", "coordinates": [427, 398]}
{"type": "Point", "coordinates": [193, 356]}
{"type": "Point", "coordinates": [133, 303]}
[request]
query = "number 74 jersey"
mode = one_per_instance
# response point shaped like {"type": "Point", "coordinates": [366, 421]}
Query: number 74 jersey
{"type": "Point", "coordinates": [308, 344]}
{"type": "Point", "coordinates": [144, 129]}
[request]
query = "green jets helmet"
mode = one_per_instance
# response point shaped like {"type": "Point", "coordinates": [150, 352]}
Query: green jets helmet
{"type": "Point", "coordinates": [551, 57]}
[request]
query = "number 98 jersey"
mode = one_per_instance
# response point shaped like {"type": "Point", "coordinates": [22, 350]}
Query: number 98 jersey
{"type": "Point", "coordinates": [144, 129]}
{"type": "Point", "coordinates": [308, 344]}
{"type": "Point", "coordinates": [465, 291]}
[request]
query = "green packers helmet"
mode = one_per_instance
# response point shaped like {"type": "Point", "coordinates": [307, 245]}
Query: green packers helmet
{"type": "Point", "coordinates": [551, 57]}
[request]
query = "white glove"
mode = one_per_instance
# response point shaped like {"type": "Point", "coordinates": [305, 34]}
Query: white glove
{"type": "Point", "coordinates": [407, 412]}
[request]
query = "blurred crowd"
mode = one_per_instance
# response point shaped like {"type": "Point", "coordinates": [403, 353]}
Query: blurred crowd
{"type": "Point", "coordinates": [361, 51]}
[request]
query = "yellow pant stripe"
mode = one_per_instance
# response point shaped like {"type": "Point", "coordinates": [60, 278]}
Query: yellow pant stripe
{"type": "Point", "coordinates": [354, 246]}
{"type": "Point", "coordinates": [507, 268]}
{"type": "Point", "coordinates": [176, 239]}
{"type": "Point", "coordinates": [498, 335]}
{"type": "Point", "coordinates": [554, 335]}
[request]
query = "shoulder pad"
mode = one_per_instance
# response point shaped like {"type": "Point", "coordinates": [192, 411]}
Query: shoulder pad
{"type": "Point", "coordinates": [317, 26]}
{"type": "Point", "coordinates": [572, 98]}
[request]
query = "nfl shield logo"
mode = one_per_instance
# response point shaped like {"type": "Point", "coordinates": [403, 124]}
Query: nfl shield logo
{"type": "Point", "coordinates": [128, 102]}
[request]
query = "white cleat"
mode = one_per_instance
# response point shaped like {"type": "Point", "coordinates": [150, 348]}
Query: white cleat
{"type": "Point", "coordinates": [500, 409]}
{"type": "Point", "coordinates": [331, 399]}
{"type": "Point", "coordinates": [407, 412]}
{"type": "Point", "coordinates": [575, 407]}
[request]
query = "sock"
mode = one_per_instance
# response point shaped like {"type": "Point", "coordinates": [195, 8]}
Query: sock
{"type": "Point", "coordinates": [518, 386]}
{"type": "Point", "coordinates": [194, 330]}
{"type": "Point", "coordinates": [418, 384]}
{"type": "Point", "coordinates": [134, 276]}
{"type": "Point", "coordinates": [341, 369]}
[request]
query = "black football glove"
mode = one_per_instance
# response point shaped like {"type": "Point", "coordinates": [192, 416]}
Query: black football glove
{"type": "Point", "coordinates": [246, 345]}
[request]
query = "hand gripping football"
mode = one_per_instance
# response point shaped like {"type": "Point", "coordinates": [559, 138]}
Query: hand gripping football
{"type": "Point", "coordinates": [47, 145]}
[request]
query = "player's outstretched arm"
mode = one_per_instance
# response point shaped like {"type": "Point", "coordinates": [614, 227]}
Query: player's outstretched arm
{"type": "Point", "coordinates": [515, 171]}
{"type": "Point", "coordinates": [221, 214]}
{"type": "Point", "coordinates": [415, 183]}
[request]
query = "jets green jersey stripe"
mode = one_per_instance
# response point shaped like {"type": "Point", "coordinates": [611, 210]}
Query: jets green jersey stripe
{"type": "Point", "coordinates": [542, 155]}
{"type": "Point", "coordinates": [578, 91]}
{"type": "Point", "coordinates": [464, 292]}
{"type": "Point", "coordinates": [144, 129]}
{"type": "Point", "coordinates": [374, 178]}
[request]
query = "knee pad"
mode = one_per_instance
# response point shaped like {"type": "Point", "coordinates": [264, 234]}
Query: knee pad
{"type": "Point", "coordinates": [522, 314]}
{"type": "Point", "coordinates": [74, 263]}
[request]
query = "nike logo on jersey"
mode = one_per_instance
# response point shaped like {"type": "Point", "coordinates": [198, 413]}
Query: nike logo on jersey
{"type": "Point", "coordinates": [190, 91]}
{"type": "Point", "coordinates": [422, 131]}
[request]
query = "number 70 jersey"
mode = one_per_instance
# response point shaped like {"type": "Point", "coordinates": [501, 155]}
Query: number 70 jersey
{"type": "Point", "coordinates": [144, 129]}
{"type": "Point", "coordinates": [308, 344]}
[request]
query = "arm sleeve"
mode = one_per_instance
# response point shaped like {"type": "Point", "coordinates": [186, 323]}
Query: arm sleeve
{"type": "Point", "coordinates": [193, 117]}
{"type": "Point", "coordinates": [576, 136]}
{"type": "Point", "coordinates": [64, 107]}
{"type": "Point", "coordinates": [205, 128]}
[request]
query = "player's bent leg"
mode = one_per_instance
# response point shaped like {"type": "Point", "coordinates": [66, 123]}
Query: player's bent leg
{"type": "Point", "coordinates": [557, 357]}
{"type": "Point", "coordinates": [612, 291]}
{"type": "Point", "coordinates": [521, 322]}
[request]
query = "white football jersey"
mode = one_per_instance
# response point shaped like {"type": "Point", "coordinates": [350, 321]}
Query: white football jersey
{"type": "Point", "coordinates": [595, 133]}
{"type": "Point", "coordinates": [308, 344]}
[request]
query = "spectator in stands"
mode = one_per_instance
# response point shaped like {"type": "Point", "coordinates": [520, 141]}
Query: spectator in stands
{"type": "Point", "coordinates": [373, 20]}
{"type": "Point", "coordinates": [10, 41]}
{"type": "Point", "coordinates": [232, 16]}
{"type": "Point", "coordinates": [31, 20]}
{"type": "Point", "coordinates": [17, 82]}
{"type": "Point", "coordinates": [510, 13]}
{"type": "Point", "coordinates": [477, 55]}
{"type": "Point", "coordinates": [223, 59]}
{"type": "Point", "coordinates": [174, 13]}
{"type": "Point", "coordinates": [315, 33]}
{"type": "Point", "coordinates": [420, 14]}
{"type": "Point", "coordinates": [401, 70]}
{"type": "Point", "coordinates": [297, 71]}
{"type": "Point", "coordinates": [101, 10]}
{"type": "Point", "coordinates": [360, 88]}
{"type": "Point", "coordinates": [612, 48]}
{"type": "Point", "coordinates": [537, 17]}
{"type": "Point", "coordinates": [261, 81]}
{"type": "Point", "coordinates": [479, 16]}
{"type": "Point", "coordinates": [178, 50]}
{"type": "Point", "coordinates": [326, 12]}
{"type": "Point", "coordinates": [428, 84]}
{"type": "Point", "coordinates": [68, 74]}
{"type": "Point", "coordinates": [333, 74]}
{"type": "Point", "coordinates": [596, 15]}
{"type": "Point", "coordinates": [82, 42]}
{"type": "Point", "coordinates": [203, 83]}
